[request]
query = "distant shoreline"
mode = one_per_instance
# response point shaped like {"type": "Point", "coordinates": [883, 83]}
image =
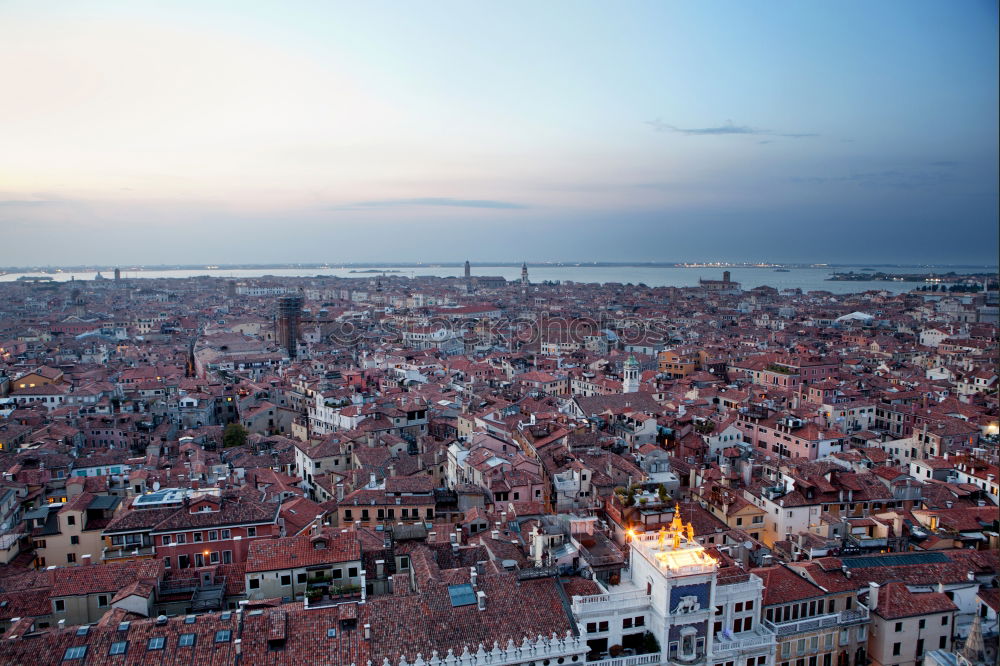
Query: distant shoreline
{"type": "Point", "coordinates": [449, 264]}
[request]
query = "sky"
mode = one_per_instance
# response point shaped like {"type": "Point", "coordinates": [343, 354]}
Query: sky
{"type": "Point", "coordinates": [237, 132]}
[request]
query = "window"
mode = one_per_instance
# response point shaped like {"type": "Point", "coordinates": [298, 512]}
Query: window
{"type": "Point", "coordinates": [60, 605]}
{"type": "Point", "coordinates": [75, 540]}
{"type": "Point", "coordinates": [899, 627]}
{"type": "Point", "coordinates": [227, 557]}
{"type": "Point", "coordinates": [251, 531]}
{"type": "Point", "coordinates": [602, 626]}
{"type": "Point", "coordinates": [223, 636]}
{"type": "Point", "coordinates": [102, 600]}
{"type": "Point", "coordinates": [166, 539]}
{"type": "Point", "coordinates": [196, 537]}
{"type": "Point", "coordinates": [352, 572]}
{"type": "Point", "coordinates": [300, 578]}
{"type": "Point", "coordinates": [640, 621]}
{"type": "Point", "coordinates": [118, 647]}
{"type": "Point", "coordinates": [943, 642]}
{"type": "Point", "coordinates": [591, 627]}
{"type": "Point", "coordinates": [226, 534]}
{"type": "Point", "coordinates": [627, 623]}
{"type": "Point", "coordinates": [186, 640]}
{"type": "Point", "coordinates": [156, 643]}
{"type": "Point", "coordinates": [923, 623]}
{"type": "Point", "coordinates": [255, 583]}
{"type": "Point", "coordinates": [920, 647]}
{"type": "Point", "coordinates": [71, 557]}
{"type": "Point", "coordinates": [944, 620]}
{"type": "Point", "coordinates": [213, 535]}
{"type": "Point", "coordinates": [286, 580]}
{"type": "Point", "coordinates": [895, 649]}
{"type": "Point", "coordinates": [71, 520]}
{"type": "Point", "coordinates": [75, 652]}
{"type": "Point", "coordinates": [166, 562]}
{"type": "Point", "coordinates": [213, 558]}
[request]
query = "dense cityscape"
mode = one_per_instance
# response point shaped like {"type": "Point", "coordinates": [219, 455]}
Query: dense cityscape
{"type": "Point", "coordinates": [480, 471]}
{"type": "Point", "coordinates": [464, 333]}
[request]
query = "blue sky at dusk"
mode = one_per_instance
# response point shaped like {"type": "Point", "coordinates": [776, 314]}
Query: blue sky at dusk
{"type": "Point", "coordinates": [226, 132]}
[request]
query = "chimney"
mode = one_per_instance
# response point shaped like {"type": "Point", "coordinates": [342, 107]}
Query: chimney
{"type": "Point", "coordinates": [85, 559]}
{"type": "Point", "coordinates": [379, 568]}
{"type": "Point", "coordinates": [340, 492]}
{"type": "Point", "coordinates": [368, 632]}
{"type": "Point", "coordinates": [872, 595]}
{"type": "Point", "coordinates": [481, 600]}
{"type": "Point", "coordinates": [495, 534]}
{"type": "Point", "coordinates": [473, 576]}
{"type": "Point", "coordinates": [940, 587]}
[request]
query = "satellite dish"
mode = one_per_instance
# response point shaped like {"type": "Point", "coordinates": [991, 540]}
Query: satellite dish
{"type": "Point", "coordinates": [156, 485]}
{"type": "Point", "coordinates": [748, 544]}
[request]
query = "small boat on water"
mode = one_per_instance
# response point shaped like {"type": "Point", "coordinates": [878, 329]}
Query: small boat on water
{"type": "Point", "coordinates": [781, 270]}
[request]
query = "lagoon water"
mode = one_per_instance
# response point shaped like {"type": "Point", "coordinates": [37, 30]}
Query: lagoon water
{"type": "Point", "coordinates": [807, 279]}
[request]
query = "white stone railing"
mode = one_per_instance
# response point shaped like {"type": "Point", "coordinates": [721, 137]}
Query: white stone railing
{"type": "Point", "coordinates": [616, 600]}
{"type": "Point", "coordinates": [540, 649]}
{"type": "Point", "coordinates": [720, 644]}
{"type": "Point", "coordinates": [634, 660]}
{"type": "Point", "coordinates": [855, 616]}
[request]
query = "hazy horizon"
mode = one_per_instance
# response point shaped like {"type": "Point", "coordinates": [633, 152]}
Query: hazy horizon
{"type": "Point", "coordinates": [146, 133]}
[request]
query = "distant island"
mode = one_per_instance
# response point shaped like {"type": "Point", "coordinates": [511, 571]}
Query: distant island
{"type": "Point", "coordinates": [933, 278]}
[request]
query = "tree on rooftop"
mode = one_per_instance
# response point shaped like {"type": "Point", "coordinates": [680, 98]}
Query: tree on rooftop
{"type": "Point", "coordinates": [234, 435]}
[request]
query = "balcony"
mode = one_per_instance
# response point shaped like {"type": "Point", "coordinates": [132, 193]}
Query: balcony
{"type": "Point", "coordinates": [633, 660]}
{"type": "Point", "coordinates": [124, 553]}
{"type": "Point", "coordinates": [868, 542]}
{"type": "Point", "coordinates": [758, 638]}
{"type": "Point", "coordinates": [843, 619]}
{"type": "Point", "coordinates": [598, 603]}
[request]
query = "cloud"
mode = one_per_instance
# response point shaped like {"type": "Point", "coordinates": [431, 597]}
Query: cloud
{"type": "Point", "coordinates": [24, 202]}
{"type": "Point", "coordinates": [438, 201]}
{"type": "Point", "coordinates": [896, 179]}
{"type": "Point", "coordinates": [720, 130]}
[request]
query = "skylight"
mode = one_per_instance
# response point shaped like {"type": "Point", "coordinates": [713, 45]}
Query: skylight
{"type": "Point", "coordinates": [118, 647]}
{"type": "Point", "coordinates": [75, 652]}
{"type": "Point", "coordinates": [462, 595]}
